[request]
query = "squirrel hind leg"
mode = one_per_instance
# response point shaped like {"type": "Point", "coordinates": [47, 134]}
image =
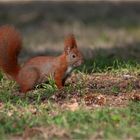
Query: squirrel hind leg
{"type": "Point", "coordinates": [28, 80]}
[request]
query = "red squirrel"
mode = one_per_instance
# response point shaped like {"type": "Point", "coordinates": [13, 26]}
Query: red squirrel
{"type": "Point", "coordinates": [36, 70]}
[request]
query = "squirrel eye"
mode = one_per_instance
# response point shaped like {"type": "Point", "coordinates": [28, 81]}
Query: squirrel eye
{"type": "Point", "coordinates": [73, 55]}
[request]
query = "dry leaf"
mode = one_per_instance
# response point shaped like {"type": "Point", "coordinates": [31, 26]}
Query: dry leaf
{"type": "Point", "coordinates": [71, 106]}
{"type": "Point", "coordinates": [135, 97]}
{"type": "Point", "coordinates": [95, 99]}
{"type": "Point", "coordinates": [101, 100]}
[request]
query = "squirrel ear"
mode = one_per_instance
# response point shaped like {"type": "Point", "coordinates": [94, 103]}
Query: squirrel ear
{"type": "Point", "coordinates": [70, 43]}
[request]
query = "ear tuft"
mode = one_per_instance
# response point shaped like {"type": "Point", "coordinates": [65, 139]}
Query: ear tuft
{"type": "Point", "coordinates": [70, 42]}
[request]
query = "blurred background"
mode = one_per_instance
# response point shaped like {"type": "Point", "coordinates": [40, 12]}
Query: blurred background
{"type": "Point", "coordinates": [104, 30]}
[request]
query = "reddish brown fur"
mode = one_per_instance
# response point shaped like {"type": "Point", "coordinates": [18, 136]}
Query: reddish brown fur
{"type": "Point", "coordinates": [10, 45]}
{"type": "Point", "coordinates": [36, 70]}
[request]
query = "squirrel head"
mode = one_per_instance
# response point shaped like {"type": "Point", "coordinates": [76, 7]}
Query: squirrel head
{"type": "Point", "coordinates": [73, 55]}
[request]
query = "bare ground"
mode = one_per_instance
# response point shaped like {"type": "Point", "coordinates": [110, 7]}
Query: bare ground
{"type": "Point", "coordinates": [97, 90]}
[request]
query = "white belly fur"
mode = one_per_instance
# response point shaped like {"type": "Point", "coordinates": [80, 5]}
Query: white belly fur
{"type": "Point", "coordinates": [68, 71]}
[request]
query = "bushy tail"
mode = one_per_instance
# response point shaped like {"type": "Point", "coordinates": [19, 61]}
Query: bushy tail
{"type": "Point", "coordinates": [10, 46]}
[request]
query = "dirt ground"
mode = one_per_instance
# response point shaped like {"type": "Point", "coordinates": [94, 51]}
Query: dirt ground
{"type": "Point", "coordinates": [98, 90]}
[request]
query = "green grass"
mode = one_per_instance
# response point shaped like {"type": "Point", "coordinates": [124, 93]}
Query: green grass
{"type": "Point", "coordinates": [103, 64]}
{"type": "Point", "coordinates": [81, 124]}
{"type": "Point", "coordinates": [17, 114]}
